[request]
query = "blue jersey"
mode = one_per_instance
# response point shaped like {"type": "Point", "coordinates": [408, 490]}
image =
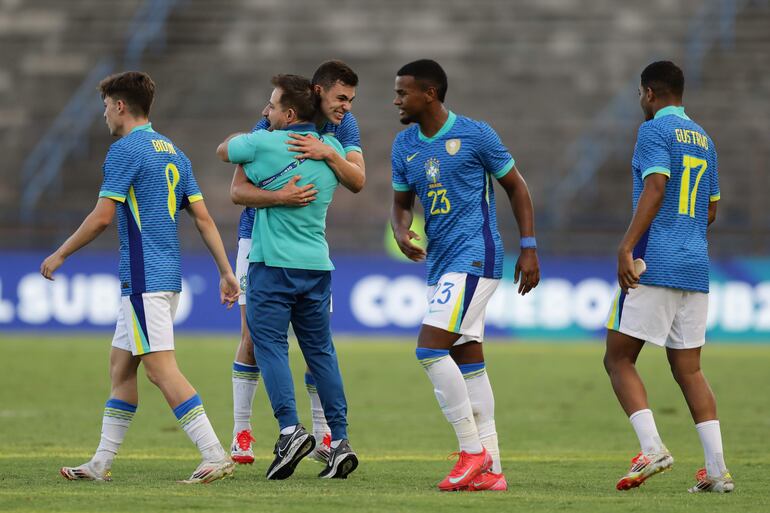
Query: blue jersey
{"type": "Point", "coordinates": [153, 181]}
{"type": "Point", "coordinates": [675, 247]}
{"type": "Point", "coordinates": [346, 133]}
{"type": "Point", "coordinates": [451, 173]}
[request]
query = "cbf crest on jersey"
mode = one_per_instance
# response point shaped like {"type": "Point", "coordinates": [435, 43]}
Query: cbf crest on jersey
{"type": "Point", "coordinates": [453, 146]}
{"type": "Point", "coordinates": [431, 169]}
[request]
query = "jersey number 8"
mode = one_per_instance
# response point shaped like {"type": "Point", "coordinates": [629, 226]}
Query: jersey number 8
{"type": "Point", "coordinates": [172, 179]}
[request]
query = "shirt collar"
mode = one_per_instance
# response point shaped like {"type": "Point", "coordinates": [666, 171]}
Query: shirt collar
{"type": "Point", "coordinates": [302, 127]}
{"type": "Point", "coordinates": [142, 128]}
{"type": "Point", "coordinates": [450, 121]}
{"type": "Point", "coordinates": [671, 110]}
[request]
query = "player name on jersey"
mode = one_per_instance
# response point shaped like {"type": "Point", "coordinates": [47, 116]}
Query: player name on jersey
{"type": "Point", "coordinates": [692, 137]}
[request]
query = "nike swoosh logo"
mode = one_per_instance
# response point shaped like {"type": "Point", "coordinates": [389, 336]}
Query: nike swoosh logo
{"type": "Point", "coordinates": [281, 451]}
{"type": "Point", "coordinates": [410, 157]}
{"type": "Point", "coordinates": [455, 480]}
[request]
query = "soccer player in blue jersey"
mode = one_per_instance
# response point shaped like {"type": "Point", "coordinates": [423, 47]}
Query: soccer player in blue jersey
{"type": "Point", "coordinates": [448, 161]}
{"type": "Point", "coordinates": [335, 84]}
{"type": "Point", "coordinates": [289, 278]}
{"type": "Point", "coordinates": [675, 195]}
{"type": "Point", "coordinates": [149, 181]}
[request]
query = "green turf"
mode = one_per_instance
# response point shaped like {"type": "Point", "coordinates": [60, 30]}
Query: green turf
{"type": "Point", "coordinates": [563, 437]}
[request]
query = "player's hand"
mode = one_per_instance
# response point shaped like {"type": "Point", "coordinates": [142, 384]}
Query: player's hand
{"type": "Point", "coordinates": [411, 251]}
{"type": "Point", "coordinates": [229, 290]}
{"type": "Point", "coordinates": [627, 276]}
{"type": "Point", "coordinates": [50, 264]}
{"type": "Point", "coordinates": [528, 269]}
{"type": "Point", "coordinates": [309, 147]}
{"type": "Point", "coordinates": [293, 196]}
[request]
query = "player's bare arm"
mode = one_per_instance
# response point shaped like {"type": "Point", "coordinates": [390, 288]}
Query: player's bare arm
{"type": "Point", "coordinates": [245, 193]}
{"type": "Point", "coordinates": [350, 170]}
{"type": "Point", "coordinates": [647, 208]}
{"type": "Point", "coordinates": [712, 212]}
{"type": "Point", "coordinates": [93, 225]}
{"type": "Point", "coordinates": [527, 265]}
{"type": "Point", "coordinates": [228, 285]}
{"type": "Point", "coordinates": [401, 220]}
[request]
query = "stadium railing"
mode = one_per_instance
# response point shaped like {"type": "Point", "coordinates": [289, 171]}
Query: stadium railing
{"type": "Point", "coordinates": [69, 132]}
{"type": "Point", "coordinates": [713, 21]}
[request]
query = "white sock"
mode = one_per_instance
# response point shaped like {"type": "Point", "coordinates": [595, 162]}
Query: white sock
{"type": "Point", "coordinates": [483, 406]}
{"type": "Point", "coordinates": [452, 394]}
{"type": "Point", "coordinates": [320, 427]}
{"type": "Point", "coordinates": [192, 418]}
{"type": "Point", "coordinates": [115, 422]}
{"type": "Point", "coordinates": [245, 381]}
{"type": "Point", "coordinates": [646, 431]}
{"type": "Point", "coordinates": [711, 439]}
{"type": "Point", "coordinates": [288, 430]}
{"type": "Point", "coordinates": [335, 443]}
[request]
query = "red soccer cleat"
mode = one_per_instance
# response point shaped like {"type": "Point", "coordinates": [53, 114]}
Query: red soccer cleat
{"type": "Point", "coordinates": [468, 467]}
{"type": "Point", "coordinates": [488, 481]}
{"type": "Point", "coordinates": [323, 450]}
{"type": "Point", "coordinates": [241, 451]}
{"type": "Point", "coordinates": [644, 466]}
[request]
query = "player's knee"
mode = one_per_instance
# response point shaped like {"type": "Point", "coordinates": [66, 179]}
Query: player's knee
{"type": "Point", "coordinates": [158, 374]}
{"type": "Point", "coordinates": [684, 374]}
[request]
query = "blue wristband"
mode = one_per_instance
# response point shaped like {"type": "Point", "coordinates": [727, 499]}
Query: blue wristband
{"type": "Point", "coordinates": [528, 243]}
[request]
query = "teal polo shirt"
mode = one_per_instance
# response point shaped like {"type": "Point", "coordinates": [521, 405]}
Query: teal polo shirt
{"type": "Point", "coordinates": [290, 237]}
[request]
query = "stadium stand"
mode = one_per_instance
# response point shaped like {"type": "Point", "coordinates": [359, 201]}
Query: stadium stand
{"type": "Point", "coordinates": [540, 71]}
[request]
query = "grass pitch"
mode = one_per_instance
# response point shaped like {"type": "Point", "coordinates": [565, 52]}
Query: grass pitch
{"type": "Point", "coordinates": [563, 437]}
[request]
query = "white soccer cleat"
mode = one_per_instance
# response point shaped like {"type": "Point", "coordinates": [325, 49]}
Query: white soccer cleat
{"type": "Point", "coordinates": [241, 451]}
{"type": "Point", "coordinates": [721, 484]}
{"type": "Point", "coordinates": [210, 471]}
{"type": "Point", "coordinates": [85, 472]}
{"type": "Point", "coordinates": [644, 466]}
{"type": "Point", "coordinates": [322, 450]}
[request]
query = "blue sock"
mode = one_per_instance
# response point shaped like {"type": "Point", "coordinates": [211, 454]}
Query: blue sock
{"type": "Point", "coordinates": [427, 357]}
{"type": "Point", "coordinates": [245, 381]}
{"type": "Point", "coordinates": [472, 370]}
{"type": "Point", "coordinates": [192, 418]}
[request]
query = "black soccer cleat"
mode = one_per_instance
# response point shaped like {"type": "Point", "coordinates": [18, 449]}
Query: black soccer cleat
{"type": "Point", "coordinates": [289, 450]}
{"type": "Point", "coordinates": [342, 461]}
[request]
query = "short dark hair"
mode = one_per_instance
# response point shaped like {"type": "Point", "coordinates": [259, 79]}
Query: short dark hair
{"type": "Point", "coordinates": [331, 72]}
{"type": "Point", "coordinates": [429, 72]}
{"type": "Point", "coordinates": [664, 77]}
{"type": "Point", "coordinates": [297, 93]}
{"type": "Point", "coordinates": [135, 88]}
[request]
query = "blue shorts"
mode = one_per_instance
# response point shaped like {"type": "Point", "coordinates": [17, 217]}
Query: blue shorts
{"type": "Point", "coordinates": [277, 296]}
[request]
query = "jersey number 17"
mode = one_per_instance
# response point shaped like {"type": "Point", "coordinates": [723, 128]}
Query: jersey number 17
{"type": "Point", "coordinates": [686, 197]}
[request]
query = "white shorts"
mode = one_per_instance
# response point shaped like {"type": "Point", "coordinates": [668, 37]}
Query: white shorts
{"type": "Point", "coordinates": [242, 271]}
{"type": "Point", "coordinates": [146, 322]}
{"type": "Point", "coordinates": [458, 303]}
{"type": "Point", "coordinates": [664, 316]}
{"type": "Point", "coordinates": [242, 267]}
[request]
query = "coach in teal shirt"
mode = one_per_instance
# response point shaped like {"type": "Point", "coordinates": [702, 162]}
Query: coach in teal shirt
{"type": "Point", "coordinates": [287, 236]}
{"type": "Point", "coordinates": [289, 278]}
